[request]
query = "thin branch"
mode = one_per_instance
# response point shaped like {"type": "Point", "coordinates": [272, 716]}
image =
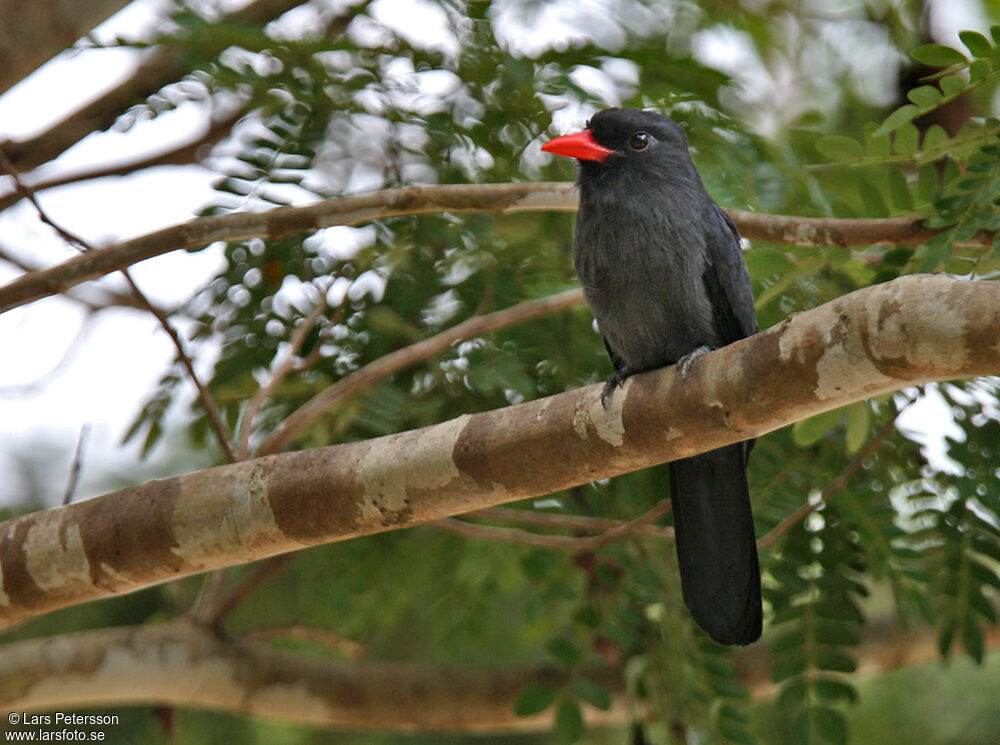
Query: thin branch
{"type": "Point", "coordinates": [77, 465]}
{"type": "Point", "coordinates": [222, 433]}
{"type": "Point", "coordinates": [417, 200]}
{"type": "Point", "coordinates": [310, 634]}
{"type": "Point", "coordinates": [559, 520]}
{"type": "Point", "coordinates": [212, 592]}
{"type": "Point", "coordinates": [616, 532]}
{"type": "Point", "coordinates": [208, 403]}
{"type": "Point", "coordinates": [374, 371]}
{"type": "Point", "coordinates": [834, 486]}
{"type": "Point", "coordinates": [510, 535]}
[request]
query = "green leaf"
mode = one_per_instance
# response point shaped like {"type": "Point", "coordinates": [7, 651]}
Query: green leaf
{"type": "Point", "coordinates": [839, 147]}
{"type": "Point", "coordinates": [897, 119]}
{"type": "Point", "coordinates": [972, 639]}
{"type": "Point", "coordinates": [924, 96]}
{"type": "Point", "coordinates": [790, 665]}
{"type": "Point", "coordinates": [876, 145]}
{"type": "Point", "coordinates": [734, 731]}
{"type": "Point", "coordinates": [766, 262]}
{"type": "Point", "coordinates": [831, 725]}
{"type": "Point", "coordinates": [806, 267]}
{"type": "Point", "coordinates": [978, 70]}
{"type": "Point", "coordinates": [593, 693]}
{"type": "Point", "coordinates": [952, 84]}
{"type": "Point", "coordinates": [858, 424]}
{"type": "Point", "coordinates": [907, 139]}
{"type": "Point", "coordinates": [569, 722]}
{"type": "Point", "coordinates": [937, 55]}
{"type": "Point", "coordinates": [946, 635]}
{"type": "Point", "coordinates": [534, 698]}
{"type": "Point", "coordinates": [807, 432]}
{"type": "Point", "coordinates": [832, 658]}
{"type": "Point", "coordinates": [793, 693]}
{"type": "Point", "coordinates": [564, 650]}
{"type": "Point", "coordinates": [934, 136]}
{"type": "Point", "coordinates": [978, 44]}
{"type": "Point", "coordinates": [588, 616]}
{"type": "Point", "coordinates": [835, 690]}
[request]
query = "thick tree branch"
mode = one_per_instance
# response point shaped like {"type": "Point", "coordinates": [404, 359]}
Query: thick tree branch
{"type": "Point", "coordinates": [909, 331]}
{"type": "Point", "coordinates": [31, 33]}
{"type": "Point", "coordinates": [160, 66]}
{"type": "Point", "coordinates": [415, 200]}
{"type": "Point", "coordinates": [182, 664]}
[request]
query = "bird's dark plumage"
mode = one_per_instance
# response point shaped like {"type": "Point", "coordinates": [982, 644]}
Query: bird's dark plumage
{"type": "Point", "coordinates": [662, 270]}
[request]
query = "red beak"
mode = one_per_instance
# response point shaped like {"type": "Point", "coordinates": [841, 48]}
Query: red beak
{"type": "Point", "coordinates": [580, 145]}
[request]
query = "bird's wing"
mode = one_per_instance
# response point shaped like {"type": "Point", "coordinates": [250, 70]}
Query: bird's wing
{"type": "Point", "coordinates": [726, 279]}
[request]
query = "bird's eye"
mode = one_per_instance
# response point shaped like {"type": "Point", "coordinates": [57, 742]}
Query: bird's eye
{"type": "Point", "coordinates": [639, 141]}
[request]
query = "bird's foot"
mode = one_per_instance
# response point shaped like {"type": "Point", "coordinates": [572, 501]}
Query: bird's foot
{"type": "Point", "coordinates": [613, 382]}
{"type": "Point", "coordinates": [685, 362]}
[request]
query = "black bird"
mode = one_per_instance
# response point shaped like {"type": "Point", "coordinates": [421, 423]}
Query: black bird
{"type": "Point", "coordinates": [661, 267]}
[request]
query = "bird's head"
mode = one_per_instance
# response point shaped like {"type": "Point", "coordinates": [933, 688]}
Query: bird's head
{"type": "Point", "coordinates": [628, 142]}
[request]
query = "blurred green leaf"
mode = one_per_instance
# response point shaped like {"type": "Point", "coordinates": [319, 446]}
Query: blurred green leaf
{"type": "Point", "coordinates": [807, 432]}
{"type": "Point", "coordinates": [533, 699]}
{"type": "Point", "coordinates": [937, 55]}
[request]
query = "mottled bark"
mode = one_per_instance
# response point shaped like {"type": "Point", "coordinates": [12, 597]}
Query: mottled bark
{"type": "Point", "coordinates": [182, 664]}
{"type": "Point", "coordinates": [415, 200]}
{"type": "Point", "coordinates": [911, 330]}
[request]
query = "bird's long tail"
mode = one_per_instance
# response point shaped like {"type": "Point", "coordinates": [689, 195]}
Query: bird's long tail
{"type": "Point", "coordinates": [716, 548]}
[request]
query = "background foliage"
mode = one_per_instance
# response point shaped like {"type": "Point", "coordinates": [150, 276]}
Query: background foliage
{"type": "Point", "coordinates": [805, 123]}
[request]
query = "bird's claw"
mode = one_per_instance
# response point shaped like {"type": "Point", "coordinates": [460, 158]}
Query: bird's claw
{"type": "Point", "coordinates": [685, 362]}
{"type": "Point", "coordinates": [613, 382]}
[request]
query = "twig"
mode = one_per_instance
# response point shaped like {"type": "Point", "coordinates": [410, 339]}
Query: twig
{"type": "Point", "coordinates": [560, 520]}
{"type": "Point", "coordinates": [211, 593]}
{"type": "Point", "coordinates": [74, 471]}
{"type": "Point", "coordinates": [286, 366]}
{"type": "Point", "coordinates": [834, 486]}
{"type": "Point", "coordinates": [207, 401]}
{"type": "Point", "coordinates": [619, 531]}
{"type": "Point", "coordinates": [410, 355]}
{"type": "Point", "coordinates": [298, 632]}
{"type": "Point", "coordinates": [211, 410]}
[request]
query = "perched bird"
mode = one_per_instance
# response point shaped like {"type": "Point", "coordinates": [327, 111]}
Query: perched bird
{"type": "Point", "coordinates": [661, 267]}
